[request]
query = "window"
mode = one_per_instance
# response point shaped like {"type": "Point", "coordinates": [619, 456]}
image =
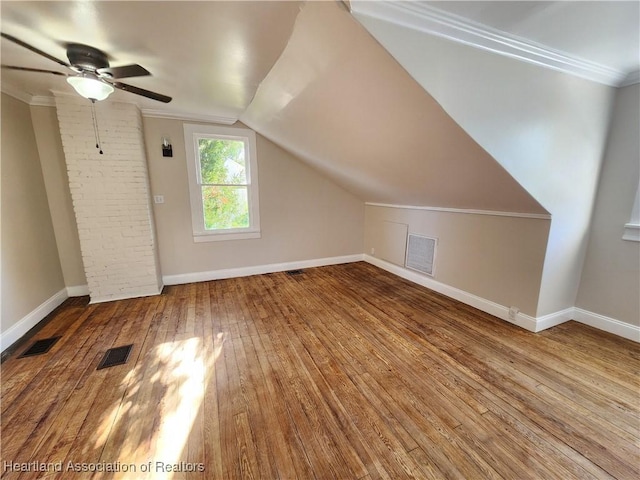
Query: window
{"type": "Point", "coordinates": [223, 182]}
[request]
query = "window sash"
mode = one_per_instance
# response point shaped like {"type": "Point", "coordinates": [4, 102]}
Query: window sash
{"type": "Point", "coordinates": [224, 184]}
{"type": "Point", "coordinates": [247, 153]}
{"type": "Point", "coordinates": [240, 194]}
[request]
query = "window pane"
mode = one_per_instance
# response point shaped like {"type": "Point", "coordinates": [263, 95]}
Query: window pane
{"type": "Point", "coordinates": [225, 207]}
{"type": "Point", "coordinates": [222, 161]}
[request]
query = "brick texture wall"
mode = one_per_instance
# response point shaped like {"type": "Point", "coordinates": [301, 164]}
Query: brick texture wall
{"type": "Point", "coordinates": [111, 198]}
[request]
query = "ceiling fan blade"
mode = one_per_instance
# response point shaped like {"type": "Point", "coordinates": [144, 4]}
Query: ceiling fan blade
{"type": "Point", "coordinates": [38, 70]}
{"type": "Point", "coordinates": [34, 49]}
{"type": "Point", "coordinates": [125, 71]}
{"type": "Point", "coordinates": [141, 91]}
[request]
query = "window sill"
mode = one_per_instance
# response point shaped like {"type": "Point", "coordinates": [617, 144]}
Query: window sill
{"type": "Point", "coordinates": [221, 237]}
{"type": "Point", "coordinates": [631, 232]}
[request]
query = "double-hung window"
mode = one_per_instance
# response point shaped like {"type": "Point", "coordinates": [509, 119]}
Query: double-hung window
{"type": "Point", "coordinates": [223, 182]}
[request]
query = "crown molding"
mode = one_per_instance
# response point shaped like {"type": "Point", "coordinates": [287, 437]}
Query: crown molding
{"type": "Point", "coordinates": [631, 79]}
{"type": "Point", "coordinates": [32, 100]}
{"type": "Point", "coordinates": [49, 101]}
{"type": "Point", "coordinates": [15, 93]}
{"type": "Point", "coordinates": [431, 20]}
{"type": "Point", "coordinates": [193, 117]}
{"type": "Point", "coordinates": [42, 101]}
{"type": "Point", "coordinates": [468, 211]}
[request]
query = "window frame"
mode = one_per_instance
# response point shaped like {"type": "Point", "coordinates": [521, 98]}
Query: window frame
{"type": "Point", "coordinates": [192, 135]}
{"type": "Point", "coordinates": [632, 229]}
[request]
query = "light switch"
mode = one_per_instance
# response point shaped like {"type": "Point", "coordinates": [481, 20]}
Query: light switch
{"type": "Point", "coordinates": [158, 199]}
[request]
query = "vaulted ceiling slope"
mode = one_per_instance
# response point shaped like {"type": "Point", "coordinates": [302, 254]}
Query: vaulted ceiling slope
{"type": "Point", "coordinates": [306, 75]}
{"type": "Point", "coordinates": [339, 101]}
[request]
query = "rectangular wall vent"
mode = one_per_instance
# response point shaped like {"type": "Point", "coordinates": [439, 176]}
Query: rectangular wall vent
{"type": "Point", "coordinates": [421, 253]}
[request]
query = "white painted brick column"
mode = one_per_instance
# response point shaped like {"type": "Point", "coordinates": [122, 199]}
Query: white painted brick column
{"type": "Point", "coordinates": [111, 198]}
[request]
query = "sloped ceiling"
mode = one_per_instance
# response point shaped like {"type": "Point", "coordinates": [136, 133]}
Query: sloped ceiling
{"type": "Point", "coordinates": [306, 75]}
{"type": "Point", "coordinates": [339, 101]}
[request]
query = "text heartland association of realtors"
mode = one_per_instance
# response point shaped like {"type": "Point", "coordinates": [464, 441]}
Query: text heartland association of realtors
{"type": "Point", "coordinates": [151, 466]}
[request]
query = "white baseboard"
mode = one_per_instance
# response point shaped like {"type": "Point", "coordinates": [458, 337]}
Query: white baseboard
{"type": "Point", "coordinates": [257, 270]}
{"type": "Point", "coordinates": [608, 324]}
{"type": "Point", "coordinates": [553, 319]}
{"type": "Point", "coordinates": [522, 320]}
{"type": "Point", "coordinates": [26, 323]}
{"type": "Point", "coordinates": [533, 324]}
{"type": "Point", "coordinates": [78, 291]}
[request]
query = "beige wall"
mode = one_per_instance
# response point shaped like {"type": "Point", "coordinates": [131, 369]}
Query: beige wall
{"type": "Point", "coordinates": [54, 169]}
{"type": "Point", "coordinates": [548, 129]}
{"type": "Point", "coordinates": [303, 215]}
{"type": "Point", "coordinates": [497, 258]}
{"type": "Point", "coordinates": [610, 283]}
{"type": "Point", "coordinates": [31, 272]}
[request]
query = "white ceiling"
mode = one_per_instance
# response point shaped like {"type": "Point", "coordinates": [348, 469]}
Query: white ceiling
{"type": "Point", "coordinates": [211, 56]}
{"type": "Point", "coordinates": [603, 32]}
{"type": "Point", "coordinates": [340, 102]}
{"type": "Point", "coordinates": [306, 75]}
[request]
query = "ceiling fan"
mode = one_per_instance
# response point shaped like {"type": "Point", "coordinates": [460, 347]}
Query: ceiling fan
{"type": "Point", "coordinates": [92, 76]}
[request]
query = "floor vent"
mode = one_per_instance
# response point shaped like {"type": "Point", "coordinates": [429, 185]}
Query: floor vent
{"type": "Point", "coordinates": [421, 253]}
{"type": "Point", "coordinates": [39, 347]}
{"type": "Point", "coordinates": [294, 272]}
{"type": "Point", "coordinates": [115, 356]}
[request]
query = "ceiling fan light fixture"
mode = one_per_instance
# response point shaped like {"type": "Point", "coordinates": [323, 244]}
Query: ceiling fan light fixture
{"type": "Point", "coordinates": [92, 76]}
{"type": "Point", "coordinates": [90, 88]}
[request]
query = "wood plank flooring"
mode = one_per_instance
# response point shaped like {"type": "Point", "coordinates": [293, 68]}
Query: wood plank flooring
{"type": "Point", "coordinates": [342, 372]}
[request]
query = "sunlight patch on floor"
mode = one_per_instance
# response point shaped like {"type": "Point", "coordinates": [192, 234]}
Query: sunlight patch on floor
{"type": "Point", "coordinates": [163, 398]}
{"type": "Point", "coordinates": [186, 375]}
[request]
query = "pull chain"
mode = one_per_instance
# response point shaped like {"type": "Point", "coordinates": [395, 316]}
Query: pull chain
{"type": "Point", "coordinates": [96, 131]}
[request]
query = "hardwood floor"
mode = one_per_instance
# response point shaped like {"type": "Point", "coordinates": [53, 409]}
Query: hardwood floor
{"type": "Point", "coordinates": [343, 372]}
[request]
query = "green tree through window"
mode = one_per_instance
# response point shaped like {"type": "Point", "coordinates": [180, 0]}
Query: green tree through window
{"type": "Point", "coordinates": [224, 185]}
{"type": "Point", "coordinates": [222, 167]}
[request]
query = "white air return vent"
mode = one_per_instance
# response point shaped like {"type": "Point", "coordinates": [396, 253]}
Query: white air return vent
{"type": "Point", "coordinates": [421, 253]}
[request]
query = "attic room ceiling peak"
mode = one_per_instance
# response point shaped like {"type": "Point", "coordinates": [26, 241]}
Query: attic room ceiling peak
{"type": "Point", "coordinates": [358, 117]}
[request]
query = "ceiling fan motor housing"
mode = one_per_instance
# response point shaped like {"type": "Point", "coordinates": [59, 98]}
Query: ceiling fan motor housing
{"type": "Point", "coordinates": [86, 58]}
